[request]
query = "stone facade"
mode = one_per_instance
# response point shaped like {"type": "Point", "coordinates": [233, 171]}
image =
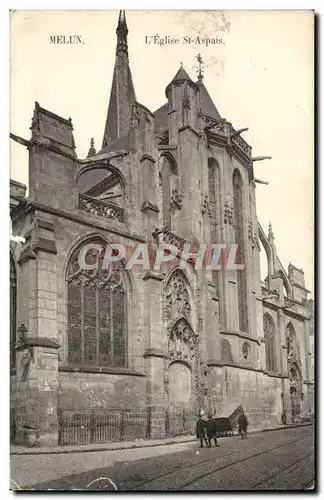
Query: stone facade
{"type": "Point", "coordinates": [194, 338]}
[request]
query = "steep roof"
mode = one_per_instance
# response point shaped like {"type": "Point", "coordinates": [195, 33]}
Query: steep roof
{"type": "Point", "coordinates": [161, 117]}
{"type": "Point", "coordinates": [181, 74]}
{"type": "Point", "coordinates": [120, 144]}
{"type": "Point", "coordinates": [207, 106]}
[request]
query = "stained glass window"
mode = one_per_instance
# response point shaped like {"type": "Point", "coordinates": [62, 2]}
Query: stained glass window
{"type": "Point", "coordinates": [96, 314]}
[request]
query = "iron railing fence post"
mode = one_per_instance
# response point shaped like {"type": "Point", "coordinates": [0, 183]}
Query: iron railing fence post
{"type": "Point", "coordinates": [92, 426]}
{"type": "Point", "coordinates": [122, 427]}
{"type": "Point", "coordinates": [167, 423]}
{"type": "Point", "coordinates": [148, 422]}
{"type": "Point", "coordinates": [60, 427]}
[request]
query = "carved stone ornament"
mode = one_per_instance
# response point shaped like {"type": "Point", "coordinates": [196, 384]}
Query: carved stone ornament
{"type": "Point", "coordinates": [203, 386]}
{"type": "Point", "coordinates": [253, 237]}
{"type": "Point", "coordinates": [293, 350]}
{"type": "Point", "coordinates": [177, 298]}
{"type": "Point", "coordinates": [173, 239]}
{"type": "Point", "coordinates": [101, 208]}
{"type": "Point", "coordinates": [182, 344]}
{"type": "Point", "coordinates": [228, 214]}
{"type": "Point", "coordinates": [267, 293]}
{"type": "Point", "coordinates": [205, 210]}
{"type": "Point", "coordinates": [288, 303]}
{"type": "Point", "coordinates": [176, 198]}
{"type": "Point", "coordinates": [135, 118]}
{"type": "Point", "coordinates": [112, 277]}
{"type": "Point", "coordinates": [186, 100]}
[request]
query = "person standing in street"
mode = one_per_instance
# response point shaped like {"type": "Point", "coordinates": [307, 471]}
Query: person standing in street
{"type": "Point", "coordinates": [211, 430]}
{"type": "Point", "coordinates": [200, 432]}
{"type": "Point", "coordinates": [243, 423]}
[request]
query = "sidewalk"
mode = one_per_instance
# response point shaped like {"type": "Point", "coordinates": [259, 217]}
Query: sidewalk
{"type": "Point", "coordinates": [140, 443]}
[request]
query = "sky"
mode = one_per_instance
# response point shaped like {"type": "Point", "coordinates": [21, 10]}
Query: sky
{"type": "Point", "coordinates": [260, 77]}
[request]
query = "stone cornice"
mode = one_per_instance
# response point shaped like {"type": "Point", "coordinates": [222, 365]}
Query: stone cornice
{"type": "Point", "coordinates": [32, 206]}
{"type": "Point", "coordinates": [218, 363]}
{"type": "Point", "coordinates": [44, 245]}
{"type": "Point", "coordinates": [152, 276]}
{"type": "Point", "coordinates": [27, 254]}
{"type": "Point", "coordinates": [301, 287]}
{"type": "Point", "coordinates": [51, 145]}
{"type": "Point", "coordinates": [188, 127]}
{"type": "Point", "coordinates": [155, 353]}
{"type": "Point", "coordinates": [44, 224]}
{"type": "Point", "coordinates": [98, 370]}
{"type": "Point", "coordinates": [242, 335]}
{"type": "Point", "coordinates": [67, 121]}
{"type": "Point", "coordinates": [149, 205]}
{"type": "Point", "coordinates": [37, 342]}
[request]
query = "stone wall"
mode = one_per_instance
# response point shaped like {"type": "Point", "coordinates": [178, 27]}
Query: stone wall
{"type": "Point", "coordinates": [81, 391]}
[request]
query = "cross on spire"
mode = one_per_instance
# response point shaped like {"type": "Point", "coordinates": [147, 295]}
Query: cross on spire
{"type": "Point", "coordinates": [200, 65]}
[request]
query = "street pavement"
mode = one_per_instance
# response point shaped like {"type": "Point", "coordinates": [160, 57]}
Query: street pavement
{"type": "Point", "coordinates": [276, 460]}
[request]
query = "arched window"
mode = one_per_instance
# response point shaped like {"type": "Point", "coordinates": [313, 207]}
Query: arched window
{"type": "Point", "coordinates": [214, 201]}
{"type": "Point", "coordinates": [13, 310]}
{"type": "Point", "coordinates": [168, 170]}
{"type": "Point", "coordinates": [269, 335]}
{"type": "Point", "coordinates": [239, 240]}
{"type": "Point", "coordinates": [97, 333]}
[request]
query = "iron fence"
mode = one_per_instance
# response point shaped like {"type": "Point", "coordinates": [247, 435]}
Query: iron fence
{"type": "Point", "coordinates": [102, 426]}
{"type": "Point", "coordinates": [180, 422]}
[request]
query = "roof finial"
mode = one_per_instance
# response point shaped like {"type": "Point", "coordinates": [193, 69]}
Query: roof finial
{"type": "Point", "coordinates": [92, 151]}
{"type": "Point", "coordinates": [200, 64]}
{"type": "Point", "coordinates": [122, 32]}
{"type": "Point", "coordinates": [270, 232]}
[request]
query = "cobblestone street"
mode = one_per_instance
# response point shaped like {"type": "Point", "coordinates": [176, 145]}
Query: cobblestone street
{"type": "Point", "coordinates": [280, 460]}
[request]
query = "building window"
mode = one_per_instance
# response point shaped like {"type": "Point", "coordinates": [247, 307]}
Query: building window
{"type": "Point", "coordinates": [245, 350]}
{"type": "Point", "coordinates": [168, 173]}
{"type": "Point", "coordinates": [269, 335]}
{"type": "Point", "coordinates": [96, 313]}
{"type": "Point", "coordinates": [239, 240]}
{"type": "Point", "coordinates": [13, 311]}
{"type": "Point", "coordinates": [214, 201]}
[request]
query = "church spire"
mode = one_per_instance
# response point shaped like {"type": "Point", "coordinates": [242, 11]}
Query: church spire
{"type": "Point", "coordinates": [122, 94]}
{"type": "Point", "coordinates": [270, 233]}
{"type": "Point", "coordinates": [122, 32]}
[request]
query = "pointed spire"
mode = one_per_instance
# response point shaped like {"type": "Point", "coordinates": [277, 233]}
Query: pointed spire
{"type": "Point", "coordinates": [181, 74]}
{"type": "Point", "coordinates": [122, 32]}
{"type": "Point", "coordinates": [122, 94]}
{"type": "Point", "coordinates": [200, 65]}
{"type": "Point", "coordinates": [270, 232]}
{"type": "Point", "coordinates": [92, 150]}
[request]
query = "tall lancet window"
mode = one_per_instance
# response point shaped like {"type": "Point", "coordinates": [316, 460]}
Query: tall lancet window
{"type": "Point", "coordinates": [270, 345]}
{"type": "Point", "coordinates": [239, 240]}
{"type": "Point", "coordinates": [168, 171]}
{"type": "Point", "coordinates": [214, 201]}
{"type": "Point", "coordinates": [13, 310]}
{"type": "Point", "coordinates": [96, 310]}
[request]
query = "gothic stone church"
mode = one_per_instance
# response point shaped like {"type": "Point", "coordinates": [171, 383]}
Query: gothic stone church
{"type": "Point", "coordinates": [199, 340]}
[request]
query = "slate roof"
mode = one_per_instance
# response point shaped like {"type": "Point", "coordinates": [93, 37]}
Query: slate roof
{"type": "Point", "coordinates": [207, 106]}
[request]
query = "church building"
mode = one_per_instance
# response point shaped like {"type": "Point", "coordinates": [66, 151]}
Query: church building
{"type": "Point", "coordinates": [162, 344]}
